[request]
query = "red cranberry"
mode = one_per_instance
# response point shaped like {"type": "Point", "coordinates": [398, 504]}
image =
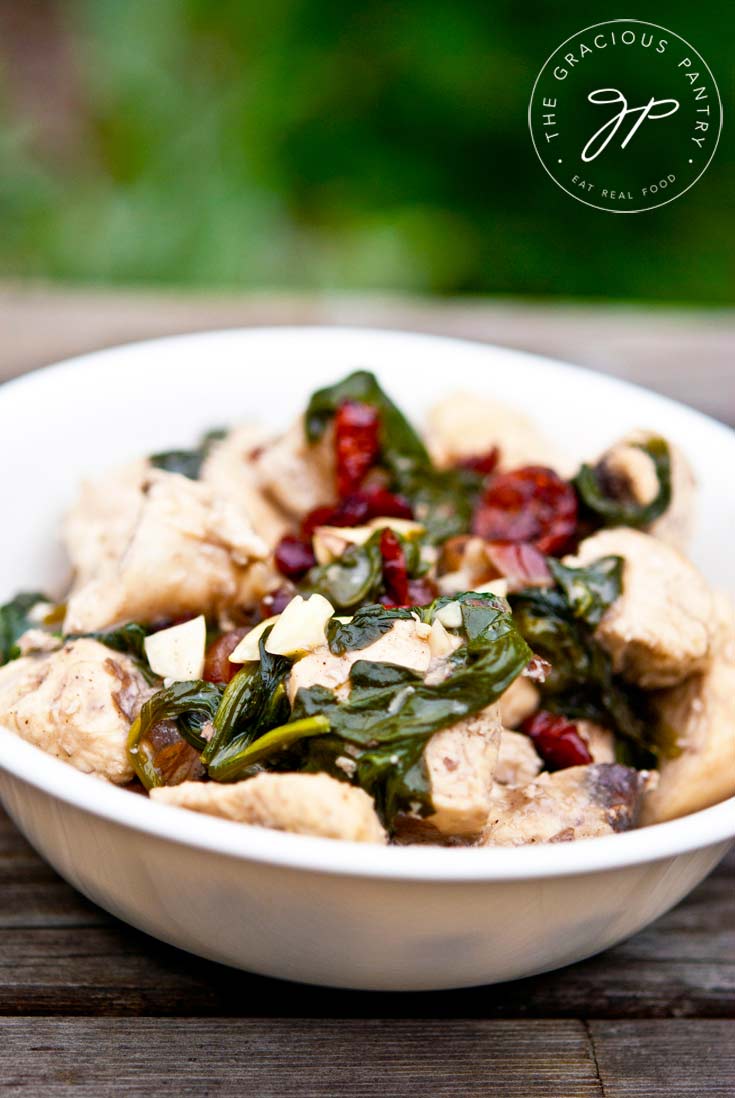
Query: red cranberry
{"type": "Point", "coordinates": [357, 443]}
{"type": "Point", "coordinates": [557, 740]}
{"type": "Point", "coordinates": [531, 505]}
{"type": "Point", "coordinates": [275, 602]}
{"type": "Point", "coordinates": [421, 591]}
{"type": "Point", "coordinates": [217, 666]}
{"type": "Point", "coordinates": [370, 502]}
{"type": "Point", "coordinates": [481, 463]}
{"type": "Point", "coordinates": [395, 574]}
{"type": "Point", "coordinates": [293, 557]}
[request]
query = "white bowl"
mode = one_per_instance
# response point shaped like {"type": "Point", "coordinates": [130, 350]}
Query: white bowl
{"type": "Point", "coordinates": [316, 910]}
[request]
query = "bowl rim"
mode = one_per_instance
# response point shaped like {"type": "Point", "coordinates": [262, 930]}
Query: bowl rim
{"type": "Point", "coordinates": [60, 781]}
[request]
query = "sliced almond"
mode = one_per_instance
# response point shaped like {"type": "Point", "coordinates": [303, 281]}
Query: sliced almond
{"type": "Point", "coordinates": [178, 653]}
{"type": "Point", "coordinates": [248, 650]}
{"type": "Point", "coordinates": [301, 627]}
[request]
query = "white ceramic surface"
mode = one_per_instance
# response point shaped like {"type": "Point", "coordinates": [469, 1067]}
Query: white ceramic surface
{"type": "Point", "coordinates": [312, 909]}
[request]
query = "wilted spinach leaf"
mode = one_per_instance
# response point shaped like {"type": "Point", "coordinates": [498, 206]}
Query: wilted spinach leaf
{"type": "Point", "coordinates": [558, 624]}
{"type": "Point", "coordinates": [188, 463]}
{"type": "Point", "coordinates": [353, 578]}
{"type": "Point", "coordinates": [599, 501]}
{"type": "Point", "coordinates": [189, 705]}
{"type": "Point", "coordinates": [14, 622]}
{"type": "Point", "coordinates": [589, 591]}
{"type": "Point", "coordinates": [391, 712]}
{"type": "Point", "coordinates": [366, 625]}
{"type": "Point", "coordinates": [254, 702]}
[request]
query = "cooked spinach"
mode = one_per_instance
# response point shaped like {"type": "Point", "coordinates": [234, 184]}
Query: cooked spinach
{"type": "Point", "coordinates": [558, 623]}
{"type": "Point", "coordinates": [14, 622]}
{"type": "Point", "coordinates": [601, 502]}
{"type": "Point", "coordinates": [589, 591]}
{"type": "Point", "coordinates": [442, 499]}
{"type": "Point", "coordinates": [188, 463]}
{"type": "Point", "coordinates": [390, 713]}
{"type": "Point", "coordinates": [365, 626]}
{"type": "Point", "coordinates": [353, 578]}
{"type": "Point", "coordinates": [189, 705]}
{"type": "Point", "coordinates": [253, 703]}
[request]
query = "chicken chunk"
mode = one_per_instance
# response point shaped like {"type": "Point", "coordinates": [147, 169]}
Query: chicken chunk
{"type": "Point", "coordinates": [186, 552]}
{"type": "Point", "coordinates": [578, 803]}
{"type": "Point", "coordinates": [99, 526]}
{"type": "Point", "coordinates": [658, 631]}
{"type": "Point", "coordinates": [519, 701]}
{"type": "Point", "coordinates": [297, 475]}
{"type": "Point", "coordinates": [464, 425]}
{"type": "Point", "coordinates": [306, 804]}
{"type": "Point", "coordinates": [461, 762]}
{"type": "Point", "coordinates": [631, 472]}
{"type": "Point", "coordinates": [518, 760]}
{"type": "Point", "coordinates": [76, 704]}
{"type": "Point", "coordinates": [600, 741]}
{"type": "Point", "coordinates": [406, 644]}
{"type": "Point", "coordinates": [695, 719]}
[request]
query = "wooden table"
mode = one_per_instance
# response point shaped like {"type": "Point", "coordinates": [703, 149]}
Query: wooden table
{"type": "Point", "coordinates": [89, 1006]}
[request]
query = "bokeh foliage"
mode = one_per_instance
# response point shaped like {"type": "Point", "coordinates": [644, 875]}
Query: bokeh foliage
{"type": "Point", "coordinates": [299, 144]}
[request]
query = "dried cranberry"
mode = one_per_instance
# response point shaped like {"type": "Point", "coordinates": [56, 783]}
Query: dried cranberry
{"type": "Point", "coordinates": [370, 502]}
{"type": "Point", "coordinates": [481, 463]}
{"type": "Point", "coordinates": [421, 591]}
{"type": "Point", "coordinates": [275, 602]}
{"type": "Point", "coordinates": [520, 563]}
{"type": "Point", "coordinates": [357, 443]}
{"type": "Point", "coordinates": [384, 504]}
{"type": "Point", "coordinates": [293, 557]}
{"type": "Point", "coordinates": [557, 740]}
{"type": "Point", "coordinates": [320, 516]}
{"type": "Point", "coordinates": [532, 505]}
{"type": "Point", "coordinates": [395, 573]}
{"type": "Point", "coordinates": [217, 666]}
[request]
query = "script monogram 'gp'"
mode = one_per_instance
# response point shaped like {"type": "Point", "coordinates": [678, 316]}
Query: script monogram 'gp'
{"type": "Point", "coordinates": [604, 96]}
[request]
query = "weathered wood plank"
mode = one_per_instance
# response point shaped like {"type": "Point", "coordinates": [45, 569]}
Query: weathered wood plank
{"type": "Point", "coordinates": [675, 1059]}
{"type": "Point", "coordinates": [267, 1057]}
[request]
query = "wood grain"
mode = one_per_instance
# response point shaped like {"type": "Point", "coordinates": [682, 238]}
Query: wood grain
{"type": "Point", "coordinates": [271, 1058]}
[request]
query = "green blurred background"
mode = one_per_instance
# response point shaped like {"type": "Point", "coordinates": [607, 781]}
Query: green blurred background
{"type": "Point", "coordinates": [327, 146]}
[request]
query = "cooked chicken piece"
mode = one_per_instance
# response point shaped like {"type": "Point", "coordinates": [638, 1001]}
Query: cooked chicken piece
{"type": "Point", "coordinates": [187, 552]}
{"type": "Point", "coordinates": [578, 803]}
{"type": "Point", "coordinates": [297, 475]}
{"type": "Point", "coordinates": [230, 470]}
{"type": "Point", "coordinates": [307, 804]}
{"type": "Point", "coordinates": [467, 425]}
{"type": "Point", "coordinates": [405, 644]}
{"type": "Point", "coordinates": [696, 719]}
{"type": "Point", "coordinates": [600, 741]}
{"type": "Point", "coordinates": [631, 472]}
{"type": "Point", "coordinates": [518, 761]}
{"type": "Point", "coordinates": [76, 704]}
{"type": "Point", "coordinates": [461, 763]}
{"type": "Point", "coordinates": [519, 701]}
{"type": "Point", "coordinates": [658, 631]}
{"type": "Point", "coordinates": [99, 526]}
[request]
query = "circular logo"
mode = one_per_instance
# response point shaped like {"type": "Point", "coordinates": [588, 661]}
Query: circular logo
{"type": "Point", "coordinates": [625, 116]}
